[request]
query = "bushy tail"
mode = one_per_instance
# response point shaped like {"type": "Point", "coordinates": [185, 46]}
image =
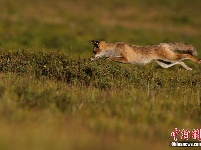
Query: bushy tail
{"type": "Point", "coordinates": [185, 48]}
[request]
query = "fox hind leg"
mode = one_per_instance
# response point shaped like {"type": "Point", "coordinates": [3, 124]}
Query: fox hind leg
{"type": "Point", "coordinates": [180, 57]}
{"type": "Point", "coordinates": [165, 64]}
{"type": "Point", "coordinates": [184, 65]}
{"type": "Point", "coordinates": [187, 56]}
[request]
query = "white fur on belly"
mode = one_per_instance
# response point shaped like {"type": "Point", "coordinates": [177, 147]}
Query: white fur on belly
{"type": "Point", "coordinates": [108, 53]}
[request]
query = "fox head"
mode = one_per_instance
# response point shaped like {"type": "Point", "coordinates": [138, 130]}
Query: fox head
{"type": "Point", "coordinates": [99, 46]}
{"type": "Point", "coordinates": [95, 43]}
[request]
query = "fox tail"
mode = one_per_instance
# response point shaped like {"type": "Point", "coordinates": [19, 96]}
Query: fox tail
{"type": "Point", "coordinates": [182, 47]}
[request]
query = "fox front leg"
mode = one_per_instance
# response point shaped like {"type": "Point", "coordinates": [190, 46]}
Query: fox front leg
{"type": "Point", "coordinates": [119, 59]}
{"type": "Point", "coordinates": [98, 55]}
{"type": "Point", "coordinates": [92, 58]}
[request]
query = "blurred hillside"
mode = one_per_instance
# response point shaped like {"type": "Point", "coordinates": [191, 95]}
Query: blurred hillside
{"type": "Point", "coordinates": [50, 100]}
{"type": "Point", "coordinates": [51, 24]}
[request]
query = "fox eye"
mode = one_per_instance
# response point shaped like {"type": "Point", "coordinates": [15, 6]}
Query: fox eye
{"type": "Point", "coordinates": [95, 43]}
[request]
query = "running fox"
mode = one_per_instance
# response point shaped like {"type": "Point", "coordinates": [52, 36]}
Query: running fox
{"type": "Point", "coordinates": [164, 53]}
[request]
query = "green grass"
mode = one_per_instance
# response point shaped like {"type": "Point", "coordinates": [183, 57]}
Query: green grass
{"type": "Point", "coordinates": [108, 103]}
{"type": "Point", "coordinates": [43, 114]}
{"type": "Point", "coordinates": [53, 97]}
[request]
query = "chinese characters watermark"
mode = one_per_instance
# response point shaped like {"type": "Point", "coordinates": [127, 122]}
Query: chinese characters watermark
{"type": "Point", "coordinates": [185, 135]}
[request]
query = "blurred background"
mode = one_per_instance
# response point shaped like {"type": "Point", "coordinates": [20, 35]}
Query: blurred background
{"type": "Point", "coordinates": [38, 110]}
{"type": "Point", "coordinates": [70, 24]}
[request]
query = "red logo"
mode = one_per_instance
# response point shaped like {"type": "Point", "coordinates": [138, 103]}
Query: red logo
{"type": "Point", "coordinates": [186, 134]}
{"type": "Point", "coordinates": [196, 134]}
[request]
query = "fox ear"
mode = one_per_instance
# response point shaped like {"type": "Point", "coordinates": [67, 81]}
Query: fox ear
{"type": "Point", "coordinates": [95, 43]}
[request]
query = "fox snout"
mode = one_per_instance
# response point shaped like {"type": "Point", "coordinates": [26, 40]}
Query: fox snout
{"type": "Point", "coordinates": [95, 43]}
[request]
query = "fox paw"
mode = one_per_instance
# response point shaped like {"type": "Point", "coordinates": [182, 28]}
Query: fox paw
{"type": "Point", "coordinates": [189, 69]}
{"type": "Point", "coordinates": [92, 59]}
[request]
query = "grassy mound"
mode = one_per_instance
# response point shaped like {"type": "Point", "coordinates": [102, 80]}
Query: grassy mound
{"type": "Point", "coordinates": [101, 73]}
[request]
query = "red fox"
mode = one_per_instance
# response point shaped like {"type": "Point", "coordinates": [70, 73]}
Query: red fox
{"type": "Point", "coordinates": [164, 53]}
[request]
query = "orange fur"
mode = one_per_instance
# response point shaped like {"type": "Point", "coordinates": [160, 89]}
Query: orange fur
{"type": "Point", "coordinates": [164, 54]}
